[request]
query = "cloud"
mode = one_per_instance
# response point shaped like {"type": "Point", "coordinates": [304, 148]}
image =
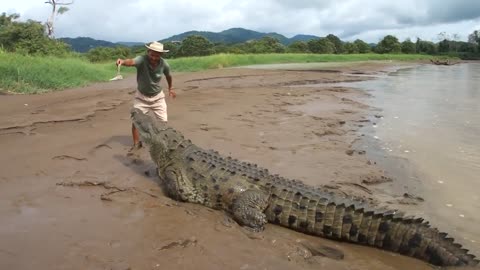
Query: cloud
{"type": "Point", "coordinates": [146, 20]}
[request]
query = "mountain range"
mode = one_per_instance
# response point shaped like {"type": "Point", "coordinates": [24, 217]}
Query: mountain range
{"type": "Point", "coordinates": [238, 35]}
{"type": "Point", "coordinates": [230, 36]}
{"type": "Point", "coordinates": [84, 44]}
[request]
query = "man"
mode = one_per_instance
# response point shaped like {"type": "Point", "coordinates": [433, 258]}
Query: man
{"type": "Point", "coordinates": [149, 94]}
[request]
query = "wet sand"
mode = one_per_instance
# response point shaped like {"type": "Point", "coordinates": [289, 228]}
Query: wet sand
{"type": "Point", "coordinates": [70, 198]}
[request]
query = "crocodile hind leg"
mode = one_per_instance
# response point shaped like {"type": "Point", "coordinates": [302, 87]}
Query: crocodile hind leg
{"type": "Point", "coordinates": [248, 209]}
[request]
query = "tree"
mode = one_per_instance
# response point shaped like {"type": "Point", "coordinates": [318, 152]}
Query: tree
{"type": "Point", "coordinates": [448, 43]}
{"type": "Point", "coordinates": [467, 47]}
{"type": "Point", "coordinates": [456, 41]}
{"type": "Point", "coordinates": [362, 46]}
{"type": "Point", "coordinates": [238, 48]}
{"type": "Point", "coordinates": [444, 46]}
{"type": "Point", "coordinates": [195, 45]}
{"type": "Point", "coordinates": [350, 47]}
{"type": "Point", "coordinates": [408, 46]}
{"type": "Point", "coordinates": [298, 47]}
{"type": "Point", "coordinates": [321, 45]}
{"type": "Point", "coordinates": [338, 44]}
{"type": "Point", "coordinates": [62, 9]}
{"type": "Point", "coordinates": [220, 47]}
{"type": "Point", "coordinates": [28, 37]}
{"type": "Point", "coordinates": [456, 37]}
{"type": "Point", "coordinates": [389, 44]}
{"type": "Point", "coordinates": [426, 47]}
{"type": "Point", "coordinates": [443, 36]}
{"type": "Point", "coordinates": [7, 33]}
{"type": "Point", "coordinates": [172, 48]}
{"type": "Point", "coordinates": [100, 54]}
{"type": "Point", "coordinates": [266, 45]}
{"type": "Point", "coordinates": [7, 20]}
{"type": "Point", "coordinates": [474, 37]}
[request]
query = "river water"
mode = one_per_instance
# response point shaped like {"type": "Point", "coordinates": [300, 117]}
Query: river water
{"type": "Point", "coordinates": [426, 134]}
{"type": "Point", "coordinates": [431, 117]}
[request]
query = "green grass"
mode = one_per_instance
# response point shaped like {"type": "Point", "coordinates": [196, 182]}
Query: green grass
{"type": "Point", "coordinates": [34, 74]}
{"type": "Point", "coordinates": [29, 74]}
{"type": "Point", "coordinates": [235, 60]}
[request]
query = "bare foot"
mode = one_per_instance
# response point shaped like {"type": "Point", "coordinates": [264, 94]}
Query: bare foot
{"type": "Point", "coordinates": [135, 150]}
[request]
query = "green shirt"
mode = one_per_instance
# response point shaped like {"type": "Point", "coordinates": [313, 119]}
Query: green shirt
{"type": "Point", "coordinates": [148, 80]}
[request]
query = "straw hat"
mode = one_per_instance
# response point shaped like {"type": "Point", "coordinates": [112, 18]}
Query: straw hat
{"type": "Point", "coordinates": [156, 46]}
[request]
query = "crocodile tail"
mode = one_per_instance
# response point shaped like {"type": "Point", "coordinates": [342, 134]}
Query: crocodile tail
{"type": "Point", "coordinates": [405, 235]}
{"type": "Point", "coordinates": [356, 222]}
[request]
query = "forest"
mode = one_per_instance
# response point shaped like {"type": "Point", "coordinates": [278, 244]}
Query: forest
{"type": "Point", "coordinates": [31, 38]}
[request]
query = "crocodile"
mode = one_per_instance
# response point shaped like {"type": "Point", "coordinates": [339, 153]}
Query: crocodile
{"type": "Point", "coordinates": [254, 197]}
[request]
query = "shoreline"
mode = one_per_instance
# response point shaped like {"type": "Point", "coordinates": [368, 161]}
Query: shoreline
{"type": "Point", "coordinates": [395, 167]}
{"type": "Point", "coordinates": [422, 183]}
{"type": "Point", "coordinates": [82, 135]}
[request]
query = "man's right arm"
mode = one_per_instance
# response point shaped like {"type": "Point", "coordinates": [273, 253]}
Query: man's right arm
{"type": "Point", "coordinates": [126, 62]}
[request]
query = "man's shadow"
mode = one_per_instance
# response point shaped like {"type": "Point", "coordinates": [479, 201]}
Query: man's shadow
{"type": "Point", "coordinates": [139, 163]}
{"type": "Point", "coordinates": [123, 140]}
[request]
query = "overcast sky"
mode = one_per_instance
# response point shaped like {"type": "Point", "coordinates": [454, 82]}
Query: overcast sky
{"type": "Point", "coordinates": [147, 20]}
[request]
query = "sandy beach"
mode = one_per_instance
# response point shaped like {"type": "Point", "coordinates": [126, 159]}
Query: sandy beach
{"type": "Point", "coordinates": [70, 198]}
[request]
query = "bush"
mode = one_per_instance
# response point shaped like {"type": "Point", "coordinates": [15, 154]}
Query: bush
{"type": "Point", "coordinates": [28, 38]}
{"type": "Point", "coordinates": [389, 44]}
{"type": "Point", "coordinates": [195, 46]}
{"type": "Point", "coordinates": [321, 45]}
{"type": "Point", "coordinates": [298, 47]}
{"type": "Point", "coordinates": [408, 46]}
{"type": "Point", "coordinates": [103, 54]}
{"type": "Point", "coordinates": [362, 46]}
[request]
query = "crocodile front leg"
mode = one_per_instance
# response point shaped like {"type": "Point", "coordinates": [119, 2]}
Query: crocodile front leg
{"type": "Point", "coordinates": [248, 209]}
{"type": "Point", "coordinates": [176, 186]}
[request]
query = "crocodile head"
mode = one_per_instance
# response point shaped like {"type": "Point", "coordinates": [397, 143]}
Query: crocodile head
{"type": "Point", "coordinates": [147, 127]}
{"type": "Point", "coordinates": [155, 134]}
{"type": "Point", "coordinates": [162, 140]}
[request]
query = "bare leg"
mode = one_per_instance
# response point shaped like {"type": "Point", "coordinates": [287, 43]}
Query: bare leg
{"type": "Point", "coordinates": [137, 144]}
{"type": "Point", "coordinates": [135, 136]}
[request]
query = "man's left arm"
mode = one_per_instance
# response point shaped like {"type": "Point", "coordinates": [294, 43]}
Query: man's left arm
{"type": "Point", "coordinates": [168, 76]}
{"type": "Point", "coordinates": [171, 92]}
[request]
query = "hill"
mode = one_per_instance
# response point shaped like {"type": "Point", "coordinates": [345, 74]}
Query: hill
{"type": "Point", "coordinates": [84, 44]}
{"type": "Point", "coordinates": [229, 36]}
{"type": "Point", "coordinates": [238, 35]}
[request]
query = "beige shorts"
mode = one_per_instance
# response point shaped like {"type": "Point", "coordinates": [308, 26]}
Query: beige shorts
{"type": "Point", "coordinates": [156, 104]}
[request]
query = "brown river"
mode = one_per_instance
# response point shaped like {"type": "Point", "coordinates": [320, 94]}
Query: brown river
{"type": "Point", "coordinates": [430, 117]}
